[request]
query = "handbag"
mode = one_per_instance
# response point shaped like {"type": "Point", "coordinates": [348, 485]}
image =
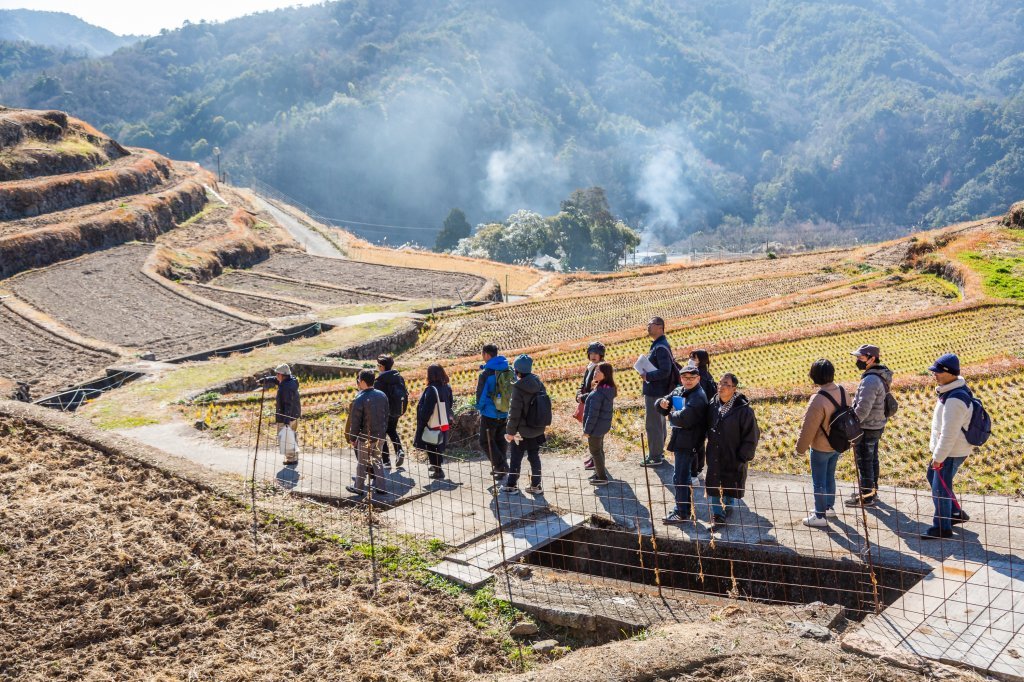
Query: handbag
{"type": "Point", "coordinates": [578, 414]}
{"type": "Point", "coordinates": [433, 433]}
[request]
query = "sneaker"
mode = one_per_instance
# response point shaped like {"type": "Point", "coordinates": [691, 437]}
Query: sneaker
{"type": "Point", "coordinates": [830, 513]}
{"type": "Point", "coordinates": [535, 490]}
{"type": "Point", "coordinates": [936, 533]}
{"type": "Point", "coordinates": [438, 473]}
{"type": "Point", "coordinates": [594, 480]}
{"type": "Point", "coordinates": [354, 490]}
{"type": "Point", "coordinates": [386, 463]}
{"type": "Point", "coordinates": [814, 521]}
{"type": "Point", "coordinates": [589, 464]}
{"type": "Point", "coordinates": [651, 462]}
{"type": "Point", "coordinates": [676, 518]}
{"type": "Point", "coordinates": [400, 458]}
{"type": "Point", "coordinates": [694, 481]}
{"type": "Point", "coordinates": [718, 519]}
{"type": "Point", "coordinates": [961, 517]}
{"type": "Point", "coordinates": [858, 500]}
{"type": "Point", "coordinates": [510, 489]}
{"type": "Point", "coordinates": [380, 492]}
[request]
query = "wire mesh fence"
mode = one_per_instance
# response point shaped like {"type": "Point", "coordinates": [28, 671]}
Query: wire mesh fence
{"type": "Point", "coordinates": [557, 542]}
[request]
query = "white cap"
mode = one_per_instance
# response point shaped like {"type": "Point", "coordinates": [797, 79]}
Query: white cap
{"type": "Point", "coordinates": [283, 369]}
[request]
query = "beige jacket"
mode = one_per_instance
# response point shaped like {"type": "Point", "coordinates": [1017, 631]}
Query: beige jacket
{"type": "Point", "coordinates": [816, 418]}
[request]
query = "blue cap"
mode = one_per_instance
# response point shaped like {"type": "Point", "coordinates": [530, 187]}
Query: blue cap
{"type": "Point", "coordinates": [946, 363]}
{"type": "Point", "coordinates": [523, 364]}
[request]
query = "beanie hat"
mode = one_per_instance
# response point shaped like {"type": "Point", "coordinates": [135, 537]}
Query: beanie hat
{"type": "Point", "coordinates": [946, 363]}
{"type": "Point", "coordinates": [283, 369]}
{"type": "Point", "coordinates": [523, 364]}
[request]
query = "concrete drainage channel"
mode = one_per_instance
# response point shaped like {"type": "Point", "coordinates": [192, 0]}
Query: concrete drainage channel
{"type": "Point", "coordinates": [573, 572]}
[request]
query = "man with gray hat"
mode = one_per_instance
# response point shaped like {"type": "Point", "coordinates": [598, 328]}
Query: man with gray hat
{"type": "Point", "coordinates": [660, 378]}
{"type": "Point", "coordinates": [287, 411]}
{"type": "Point", "coordinates": [870, 406]}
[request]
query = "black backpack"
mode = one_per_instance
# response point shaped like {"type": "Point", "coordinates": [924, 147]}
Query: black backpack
{"type": "Point", "coordinates": [844, 429]}
{"type": "Point", "coordinates": [538, 413]}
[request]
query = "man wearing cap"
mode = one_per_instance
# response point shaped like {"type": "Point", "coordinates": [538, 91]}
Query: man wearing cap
{"type": "Point", "coordinates": [657, 383]}
{"type": "Point", "coordinates": [687, 408]}
{"type": "Point", "coordinates": [869, 406]}
{"type": "Point", "coordinates": [287, 411]}
{"type": "Point", "coordinates": [948, 445]}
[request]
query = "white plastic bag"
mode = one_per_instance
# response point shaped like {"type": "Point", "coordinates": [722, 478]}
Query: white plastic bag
{"type": "Point", "coordinates": [288, 442]}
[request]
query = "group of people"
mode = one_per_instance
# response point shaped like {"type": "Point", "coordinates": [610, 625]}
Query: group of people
{"type": "Point", "coordinates": [706, 425]}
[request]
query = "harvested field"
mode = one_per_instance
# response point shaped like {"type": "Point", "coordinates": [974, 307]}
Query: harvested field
{"type": "Point", "coordinates": [106, 296]}
{"type": "Point", "coordinates": [303, 291]}
{"type": "Point", "coordinates": [409, 283]}
{"type": "Point", "coordinates": [46, 362]}
{"type": "Point", "coordinates": [119, 571]}
{"type": "Point", "coordinates": [666, 275]}
{"type": "Point", "coordinates": [254, 305]}
{"type": "Point", "coordinates": [524, 325]}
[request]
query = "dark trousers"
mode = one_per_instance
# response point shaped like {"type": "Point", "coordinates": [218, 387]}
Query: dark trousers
{"type": "Point", "coordinates": [681, 480]}
{"type": "Point", "coordinates": [531, 448]}
{"type": "Point", "coordinates": [435, 454]}
{"type": "Point", "coordinates": [395, 438]}
{"type": "Point", "coordinates": [866, 455]}
{"type": "Point", "coordinates": [492, 440]}
{"type": "Point", "coordinates": [699, 460]}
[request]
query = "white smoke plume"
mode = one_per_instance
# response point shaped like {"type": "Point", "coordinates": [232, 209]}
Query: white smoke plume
{"type": "Point", "coordinates": [528, 173]}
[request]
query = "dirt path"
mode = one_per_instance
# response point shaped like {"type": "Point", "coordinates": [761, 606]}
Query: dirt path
{"type": "Point", "coordinates": [314, 243]}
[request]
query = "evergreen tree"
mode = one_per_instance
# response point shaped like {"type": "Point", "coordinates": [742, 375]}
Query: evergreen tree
{"type": "Point", "coordinates": [455, 227]}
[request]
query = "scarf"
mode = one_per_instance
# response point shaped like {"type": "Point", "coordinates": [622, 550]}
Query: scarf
{"type": "Point", "coordinates": [724, 408]}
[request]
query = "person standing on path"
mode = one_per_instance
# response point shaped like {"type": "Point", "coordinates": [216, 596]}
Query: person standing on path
{"type": "Point", "coordinates": [493, 397]}
{"type": "Point", "coordinates": [598, 408]}
{"type": "Point", "coordinates": [392, 384]}
{"type": "Point", "coordinates": [595, 356]}
{"type": "Point", "coordinates": [948, 445]}
{"type": "Point", "coordinates": [657, 383]}
{"type": "Point", "coordinates": [523, 431]}
{"type": "Point", "coordinates": [365, 430]}
{"type": "Point", "coordinates": [869, 406]}
{"type": "Point", "coordinates": [435, 406]}
{"type": "Point", "coordinates": [287, 410]}
{"type": "Point", "coordinates": [687, 409]}
{"type": "Point", "coordinates": [814, 437]}
{"type": "Point", "coordinates": [733, 434]}
{"type": "Point", "coordinates": [702, 359]}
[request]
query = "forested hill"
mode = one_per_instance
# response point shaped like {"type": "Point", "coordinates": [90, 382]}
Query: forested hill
{"type": "Point", "coordinates": [58, 30]}
{"type": "Point", "coordinates": [907, 112]}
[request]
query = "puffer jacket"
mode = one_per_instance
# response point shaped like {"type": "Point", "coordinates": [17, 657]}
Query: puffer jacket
{"type": "Point", "coordinates": [485, 386]}
{"type": "Point", "coordinates": [949, 422]}
{"type": "Point", "coordinates": [367, 416]}
{"type": "Point", "coordinates": [659, 382]}
{"type": "Point", "coordinates": [869, 402]}
{"type": "Point", "coordinates": [522, 394]}
{"type": "Point", "coordinates": [425, 410]}
{"type": "Point", "coordinates": [732, 442]}
{"type": "Point", "coordinates": [689, 424]}
{"type": "Point", "coordinates": [598, 409]}
{"type": "Point", "coordinates": [288, 408]}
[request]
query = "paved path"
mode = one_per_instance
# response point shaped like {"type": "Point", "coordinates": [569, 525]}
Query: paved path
{"type": "Point", "coordinates": [315, 243]}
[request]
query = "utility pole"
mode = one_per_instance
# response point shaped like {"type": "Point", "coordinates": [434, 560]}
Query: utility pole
{"type": "Point", "coordinates": [216, 153]}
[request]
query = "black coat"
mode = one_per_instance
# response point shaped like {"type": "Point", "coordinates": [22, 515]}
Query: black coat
{"type": "Point", "coordinates": [689, 423]}
{"type": "Point", "coordinates": [391, 384]}
{"type": "Point", "coordinates": [732, 442]}
{"type": "Point", "coordinates": [708, 383]}
{"type": "Point", "coordinates": [288, 407]}
{"type": "Point", "coordinates": [425, 409]}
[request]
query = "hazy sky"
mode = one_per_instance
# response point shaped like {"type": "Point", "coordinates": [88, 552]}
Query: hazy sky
{"type": "Point", "coordinates": [140, 17]}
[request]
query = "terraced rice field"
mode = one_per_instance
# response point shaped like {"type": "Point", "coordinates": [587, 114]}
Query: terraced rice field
{"type": "Point", "coordinates": [558, 320]}
{"type": "Point", "coordinates": [244, 280]}
{"type": "Point", "coordinates": [254, 305]}
{"type": "Point", "coordinates": [106, 296]}
{"type": "Point", "coordinates": [407, 283]}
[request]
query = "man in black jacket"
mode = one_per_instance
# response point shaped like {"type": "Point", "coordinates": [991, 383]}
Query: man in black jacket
{"type": "Point", "coordinates": [365, 430]}
{"type": "Point", "coordinates": [733, 434]}
{"type": "Point", "coordinates": [689, 423]}
{"type": "Point", "coordinates": [287, 410]}
{"type": "Point", "coordinates": [392, 384]}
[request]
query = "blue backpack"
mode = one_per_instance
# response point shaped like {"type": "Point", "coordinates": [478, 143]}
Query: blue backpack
{"type": "Point", "coordinates": [980, 427]}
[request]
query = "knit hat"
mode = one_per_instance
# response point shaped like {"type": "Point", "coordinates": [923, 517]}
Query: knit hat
{"type": "Point", "coordinates": [283, 369]}
{"type": "Point", "coordinates": [523, 364]}
{"type": "Point", "coordinates": [946, 363]}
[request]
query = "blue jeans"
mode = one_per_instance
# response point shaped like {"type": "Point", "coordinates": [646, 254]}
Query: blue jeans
{"type": "Point", "coordinates": [681, 480]}
{"type": "Point", "coordinates": [823, 477]}
{"type": "Point", "coordinates": [531, 448]}
{"type": "Point", "coordinates": [720, 506]}
{"type": "Point", "coordinates": [942, 491]}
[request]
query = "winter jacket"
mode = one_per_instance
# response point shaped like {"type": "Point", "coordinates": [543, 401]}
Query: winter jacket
{"type": "Point", "coordinates": [588, 383]}
{"type": "Point", "coordinates": [367, 415]}
{"type": "Point", "coordinates": [597, 411]}
{"type": "Point", "coordinates": [732, 441]}
{"type": "Point", "coordinates": [288, 407]}
{"type": "Point", "coordinates": [485, 387]}
{"type": "Point", "coordinates": [392, 384]}
{"type": "Point", "coordinates": [425, 410]}
{"type": "Point", "coordinates": [814, 432]}
{"type": "Point", "coordinates": [869, 403]}
{"type": "Point", "coordinates": [949, 421]}
{"type": "Point", "coordinates": [690, 423]}
{"type": "Point", "coordinates": [523, 392]}
{"type": "Point", "coordinates": [658, 382]}
{"type": "Point", "coordinates": [708, 383]}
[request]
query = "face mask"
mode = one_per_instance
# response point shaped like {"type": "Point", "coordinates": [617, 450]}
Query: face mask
{"type": "Point", "coordinates": [861, 364]}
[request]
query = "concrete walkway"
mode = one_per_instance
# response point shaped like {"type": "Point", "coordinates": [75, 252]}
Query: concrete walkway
{"type": "Point", "coordinates": [315, 243]}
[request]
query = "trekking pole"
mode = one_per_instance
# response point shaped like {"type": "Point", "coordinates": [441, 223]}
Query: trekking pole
{"type": "Point", "coordinates": [650, 513]}
{"type": "Point", "coordinates": [255, 456]}
{"type": "Point", "coordinates": [501, 542]}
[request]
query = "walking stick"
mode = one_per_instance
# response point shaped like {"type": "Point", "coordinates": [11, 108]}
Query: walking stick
{"type": "Point", "coordinates": [255, 455]}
